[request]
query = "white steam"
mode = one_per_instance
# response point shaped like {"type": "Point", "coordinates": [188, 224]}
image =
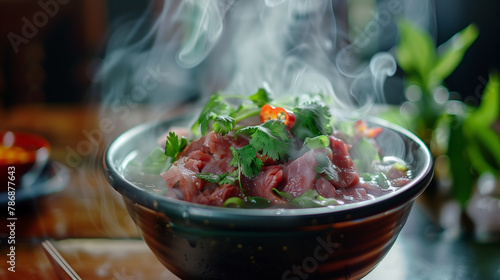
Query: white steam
{"type": "Point", "coordinates": [206, 29]}
{"type": "Point", "coordinates": [184, 49]}
{"type": "Point", "coordinates": [181, 50]}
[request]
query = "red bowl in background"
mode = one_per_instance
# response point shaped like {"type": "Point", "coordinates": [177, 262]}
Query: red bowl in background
{"type": "Point", "coordinates": [19, 152]}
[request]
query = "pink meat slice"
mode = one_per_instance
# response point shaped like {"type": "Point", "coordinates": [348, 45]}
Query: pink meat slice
{"type": "Point", "coordinates": [220, 166]}
{"type": "Point", "coordinates": [196, 161]}
{"type": "Point", "coordinates": [218, 145]}
{"type": "Point", "coordinates": [211, 154]}
{"type": "Point", "coordinates": [357, 193]}
{"type": "Point", "coordinates": [196, 145]}
{"type": "Point", "coordinates": [325, 188]}
{"type": "Point", "coordinates": [262, 184]}
{"type": "Point", "coordinates": [348, 176]}
{"type": "Point", "coordinates": [185, 179]}
{"type": "Point", "coordinates": [222, 193]}
{"type": "Point", "coordinates": [299, 175]}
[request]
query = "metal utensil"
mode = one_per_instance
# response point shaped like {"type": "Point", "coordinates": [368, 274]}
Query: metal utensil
{"type": "Point", "coordinates": [63, 270]}
{"type": "Point", "coordinates": [42, 156]}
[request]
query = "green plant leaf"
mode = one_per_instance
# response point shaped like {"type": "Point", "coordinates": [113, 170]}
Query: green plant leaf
{"type": "Point", "coordinates": [461, 189]}
{"type": "Point", "coordinates": [393, 115]}
{"type": "Point", "coordinates": [489, 110]}
{"type": "Point", "coordinates": [451, 53]}
{"type": "Point", "coordinates": [415, 52]}
{"type": "Point", "coordinates": [484, 151]}
{"type": "Point", "coordinates": [484, 142]}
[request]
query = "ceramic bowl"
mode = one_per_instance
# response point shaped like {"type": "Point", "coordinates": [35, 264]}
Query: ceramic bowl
{"type": "Point", "coordinates": [207, 242]}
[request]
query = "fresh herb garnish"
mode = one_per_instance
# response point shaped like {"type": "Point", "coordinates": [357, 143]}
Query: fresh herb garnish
{"type": "Point", "coordinates": [246, 160]}
{"type": "Point", "coordinates": [216, 113]}
{"type": "Point", "coordinates": [174, 145]}
{"type": "Point", "coordinates": [317, 142]}
{"type": "Point", "coordinates": [260, 98]}
{"type": "Point", "coordinates": [309, 198]}
{"type": "Point", "coordinates": [379, 178]}
{"type": "Point", "coordinates": [270, 139]}
{"type": "Point", "coordinates": [326, 167]}
{"type": "Point", "coordinates": [247, 202]}
{"type": "Point", "coordinates": [221, 179]}
{"type": "Point", "coordinates": [382, 180]}
{"type": "Point", "coordinates": [311, 119]}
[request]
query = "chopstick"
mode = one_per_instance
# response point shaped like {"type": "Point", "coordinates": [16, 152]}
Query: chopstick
{"type": "Point", "coordinates": [61, 267]}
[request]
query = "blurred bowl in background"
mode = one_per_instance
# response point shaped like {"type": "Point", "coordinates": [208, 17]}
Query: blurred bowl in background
{"type": "Point", "coordinates": [22, 157]}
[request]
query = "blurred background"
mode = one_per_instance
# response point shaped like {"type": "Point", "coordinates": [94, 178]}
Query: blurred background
{"type": "Point", "coordinates": [56, 64]}
{"type": "Point", "coordinates": [50, 54]}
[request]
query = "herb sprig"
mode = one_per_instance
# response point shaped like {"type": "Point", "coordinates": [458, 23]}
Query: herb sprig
{"type": "Point", "coordinates": [313, 119]}
{"type": "Point", "coordinates": [174, 145]}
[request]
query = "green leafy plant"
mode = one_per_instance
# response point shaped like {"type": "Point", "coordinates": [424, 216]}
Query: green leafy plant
{"type": "Point", "coordinates": [482, 130]}
{"type": "Point", "coordinates": [425, 68]}
{"type": "Point", "coordinates": [424, 64]}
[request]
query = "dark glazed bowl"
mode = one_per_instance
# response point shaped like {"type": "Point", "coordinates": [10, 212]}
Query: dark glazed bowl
{"type": "Point", "coordinates": [206, 242]}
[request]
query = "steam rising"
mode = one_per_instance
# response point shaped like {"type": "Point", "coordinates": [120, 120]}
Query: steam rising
{"type": "Point", "coordinates": [181, 50]}
{"type": "Point", "coordinates": [206, 30]}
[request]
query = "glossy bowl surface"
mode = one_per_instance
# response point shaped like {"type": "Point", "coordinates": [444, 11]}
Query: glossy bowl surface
{"type": "Point", "coordinates": [207, 242]}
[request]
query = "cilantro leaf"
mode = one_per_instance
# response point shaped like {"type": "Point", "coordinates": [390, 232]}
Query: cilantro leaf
{"type": "Point", "coordinates": [270, 138]}
{"type": "Point", "coordinates": [216, 112]}
{"type": "Point", "coordinates": [260, 98]}
{"type": "Point", "coordinates": [246, 160]}
{"type": "Point", "coordinates": [317, 142]}
{"type": "Point", "coordinates": [229, 178]}
{"type": "Point", "coordinates": [223, 124]}
{"type": "Point", "coordinates": [311, 119]}
{"type": "Point", "coordinates": [211, 177]}
{"type": "Point", "coordinates": [326, 167]}
{"type": "Point", "coordinates": [174, 145]}
{"type": "Point", "coordinates": [221, 179]}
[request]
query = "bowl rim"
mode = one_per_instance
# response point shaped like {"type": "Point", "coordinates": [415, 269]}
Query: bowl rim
{"type": "Point", "coordinates": [175, 208]}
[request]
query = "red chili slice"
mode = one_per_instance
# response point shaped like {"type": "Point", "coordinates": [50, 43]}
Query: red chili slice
{"type": "Point", "coordinates": [362, 128]}
{"type": "Point", "coordinates": [269, 112]}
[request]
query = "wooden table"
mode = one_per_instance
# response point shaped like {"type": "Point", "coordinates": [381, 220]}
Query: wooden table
{"type": "Point", "coordinates": [86, 220]}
